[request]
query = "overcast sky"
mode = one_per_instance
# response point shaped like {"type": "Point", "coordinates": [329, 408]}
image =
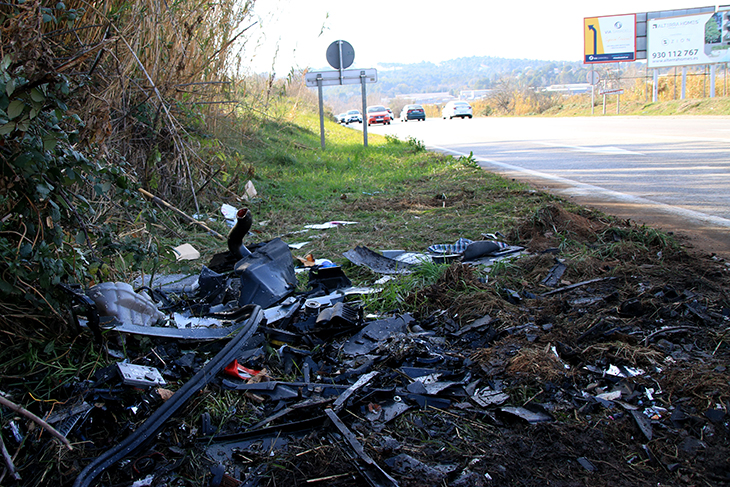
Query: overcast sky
{"type": "Point", "coordinates": [296, 33]}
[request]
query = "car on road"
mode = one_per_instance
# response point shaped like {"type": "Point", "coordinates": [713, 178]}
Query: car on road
{"type": "Point", "coordinates": [353, 116]}
{"type": "Point", "coordinates": [378, 114]}
{"type": "Point", "coordinates": [412, 112]}
{"type": "Point", "coordinates": [456, 108]}
{"type": "Point", "coordinates": [342, 117]}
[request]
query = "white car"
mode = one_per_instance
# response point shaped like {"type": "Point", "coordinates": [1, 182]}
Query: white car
{"type": "Point", "coordinates": [456, 109]}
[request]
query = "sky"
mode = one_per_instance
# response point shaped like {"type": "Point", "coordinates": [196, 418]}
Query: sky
{"type": "Point", "coordinates": [296, 33]}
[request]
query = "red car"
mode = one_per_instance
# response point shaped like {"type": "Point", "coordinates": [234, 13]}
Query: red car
{"type": "Point", "coordinates": [378, 114]}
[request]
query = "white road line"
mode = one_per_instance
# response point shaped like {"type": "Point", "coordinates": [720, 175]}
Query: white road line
{"type": "Point", "coordinates": [592, 150]}
{"type": "Point", "coordinates": [589, 190]}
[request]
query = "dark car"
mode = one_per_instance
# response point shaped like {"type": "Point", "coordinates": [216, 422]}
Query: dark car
{"type": "Point", "coordinates": [378, 114]}
{"type": "Point", "coordinates": [412, 112]}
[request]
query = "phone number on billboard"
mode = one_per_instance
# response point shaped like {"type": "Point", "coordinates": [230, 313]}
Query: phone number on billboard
{"type": "Point", "coordinates": [673, 54]}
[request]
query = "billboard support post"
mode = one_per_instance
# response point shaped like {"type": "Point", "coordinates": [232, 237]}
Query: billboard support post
{"type": "Point", "coordinates": [713, 70]}
{"type": "Point", "coordinates": [684, 82]}
{"type": "Point", "coordinates": [593, 79]}
{"type": "Point", "coordinates": [654, 89]}
{"type": "Point", "coordinates": [618, 96]}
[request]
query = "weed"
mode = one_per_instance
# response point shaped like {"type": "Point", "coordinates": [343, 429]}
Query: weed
{"type": "Point", "coordinates": [469, 161]}
{"type": "Point", "coordinates": [416, 144]}
{"type": "Point", "coordinates": [393, 293]}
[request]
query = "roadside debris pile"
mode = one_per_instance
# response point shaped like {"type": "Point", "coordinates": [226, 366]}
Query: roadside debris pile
{"type": "Point", "coordinates": [236, 376]}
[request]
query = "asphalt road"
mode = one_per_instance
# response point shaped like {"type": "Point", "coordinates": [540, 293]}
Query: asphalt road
{"type": "Point", "coordinates": [671, 172]}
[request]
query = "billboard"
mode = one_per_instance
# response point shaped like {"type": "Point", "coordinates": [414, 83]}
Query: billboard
{"type": "Point", "coordinates": [609, 39]}
{"type": "Point", "coordinates": [688, 40]}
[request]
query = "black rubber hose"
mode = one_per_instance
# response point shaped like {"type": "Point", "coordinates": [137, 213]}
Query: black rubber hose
{"type": "Point", "coordinates": [244, 219]}
{"type": "Point", "coordinates": [154, 423]}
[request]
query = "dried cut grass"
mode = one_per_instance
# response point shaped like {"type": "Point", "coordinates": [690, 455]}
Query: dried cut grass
{"type": "Point", "coordinates": [623, 353]}
{"type": "Point", "coordinates": [537, 363]}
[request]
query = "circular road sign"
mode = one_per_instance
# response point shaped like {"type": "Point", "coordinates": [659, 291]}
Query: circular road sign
{"type": "Point", "coordinates": [592, 77]}
{"type": "Point", "coordinates": [333, 54]}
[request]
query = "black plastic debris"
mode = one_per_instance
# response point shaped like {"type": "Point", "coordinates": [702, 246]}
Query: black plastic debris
{"type": "Point", "coordinates": [363, 256]}
{"type": "Point", "coordinates": [532, 415]}
{"type": "Point", "coordinates": [481, 248]}
{"type": "Point", "coordinates": [368, 339]}
{"type": "Point", "coordinates": [555, 274]}
{"type": "Point", "coordinates": [374, 474]}
{"type": "Point", "coordinates": [154, 423]}
{"type": "Point", "coordinates": [244, 219]}
{"type": "Point", "coordinates": [267, 275]}
{"type": "Point", "coordinates": [328, 279]}
{"type": "Point", "coordinates": [585, 463]}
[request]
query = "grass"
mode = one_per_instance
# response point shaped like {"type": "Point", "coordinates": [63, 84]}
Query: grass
{"type": "Point", "coordinates": [401, 196]}
{"type": "Point", "coordinates": [580, 106]}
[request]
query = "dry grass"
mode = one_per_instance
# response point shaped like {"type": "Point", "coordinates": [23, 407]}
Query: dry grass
{"type": "Point", "coordinates": [142, 72]}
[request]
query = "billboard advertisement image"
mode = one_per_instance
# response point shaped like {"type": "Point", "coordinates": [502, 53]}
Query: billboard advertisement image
{"type": "Point", "coordinates": [609, 39]}
{"type": "Point", "coordinates": [688, 40]}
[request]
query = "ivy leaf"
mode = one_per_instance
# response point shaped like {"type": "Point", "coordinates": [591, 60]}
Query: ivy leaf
{"type": "Point", "coordinates": [7, 128]}
{"type": "Point", "coordinates": [49, 142]}
{"type": "Point", "coordinates": [80, 238]}
{"type": "Point", "coordinates": [43, 190]}
{"type": "Point", "coordinates": [35, 109]}
{"type": "Point", "coordinates": [37, 95]}
{"type": "Point", "coordinates": [10, 85]}
{"type": "Point", "coordinates": [15, 109]}
{"type": "Point", "coordinates": [7, 288]}
{"type": "Point", "coordinates": [23, 125]}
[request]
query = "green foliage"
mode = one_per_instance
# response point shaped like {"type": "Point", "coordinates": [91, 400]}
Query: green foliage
{"type": "Point", "coordinates": [392, 295]}
{"type": "Point", "coordinates": [416, 145]}
{"type": "Point", "coordinates": [50, 184]}
{"type": "Point", "coordinates": [469, 161]}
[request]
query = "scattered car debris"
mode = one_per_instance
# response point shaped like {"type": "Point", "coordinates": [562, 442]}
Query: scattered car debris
{"type": "Point", "coordinates": [268, 383]}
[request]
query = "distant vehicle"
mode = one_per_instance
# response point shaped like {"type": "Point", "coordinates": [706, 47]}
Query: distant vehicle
{"type": "Point", "coordinates": [342, 118]}
{"type": "Point", "coordinates": [412, 112]}
{"type": "Point", "coordinates": [378, 114]}
{"type": "Point", "coordinates": [353, 116]}
{"type": "Point", "coordinates": [456, 108]}
{"type": "Point", "coordinates": [390, 112]}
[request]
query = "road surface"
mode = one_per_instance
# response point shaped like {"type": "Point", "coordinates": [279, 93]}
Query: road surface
{"type": "Point", "coordinates": [670, 172]}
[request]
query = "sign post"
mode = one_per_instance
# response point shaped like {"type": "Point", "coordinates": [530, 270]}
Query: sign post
{"type": "Point", "coordinates": [593, 79]}
{"type": "Point", "coordinates": [340, 55]}
{"type": "Point", "coordinates": [321, 111]}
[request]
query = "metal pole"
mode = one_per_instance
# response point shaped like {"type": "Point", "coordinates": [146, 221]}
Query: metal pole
{"type": "Point", "coordinates": [593, 89]}
{"type": "Point", "coordinates": [684, 82]}
{"type": "Point", "coordinates": [604, 103]}
{"type": "Point", "coordinates": [321, 111]}
{"type": "Point", "coordinates": [712, 80]}
{"type": "Point", "coordinates": [339, 47]}
{"type": "Point", "coordinates": [618, 95]}
{"type": "Point", "coordinates": [655, 88]}
{"type": "Point", "coordinates": [364, 111]}
{"type": "Point", "coordinates": [675, 83]}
